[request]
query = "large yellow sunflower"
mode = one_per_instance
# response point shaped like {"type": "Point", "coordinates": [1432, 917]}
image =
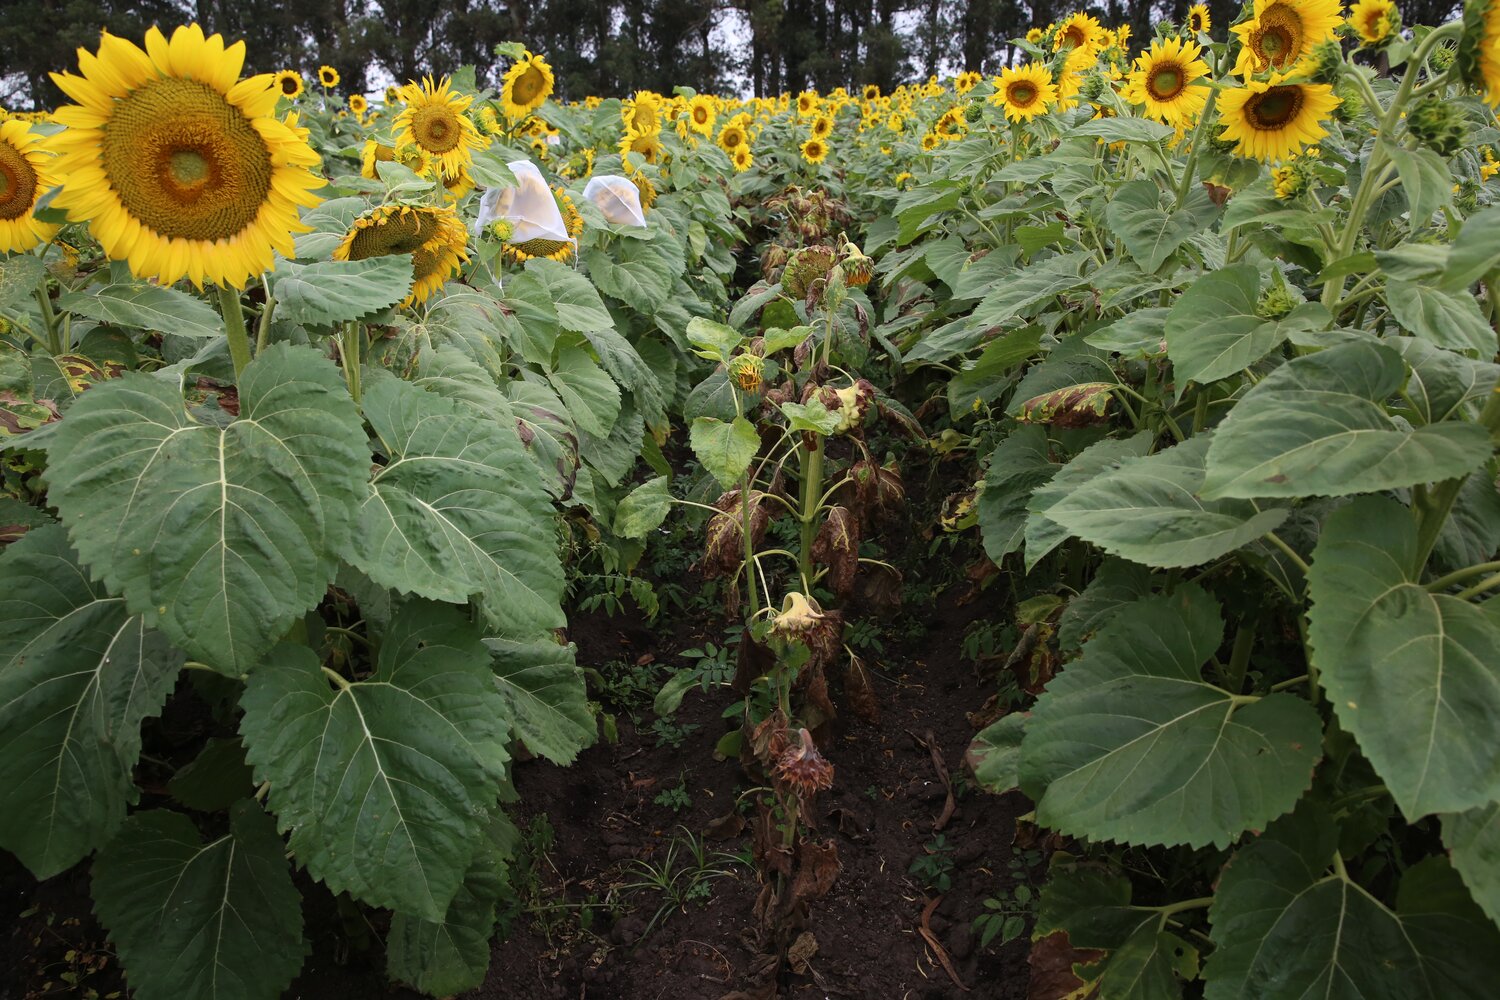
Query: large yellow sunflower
{"type": "Point", "coordinates": [807, 104]}
{"type": "Point", "coordinates": [289, 83]}
{"type": "Point", "coordinates": [328, 77]}
{"type": "Point", "coordinates": [742, 159]}
{"type": "Point", "coordinates": [1083, 36]}
{"type": "Point", "coordinates": [434, 122]}
{"type": "Point", "coordinates": [1024, 91]}
{"type": "Point", "coordinates": [1198, 21]}
{"type": "Point", "coordinates": [701, 114]}
{"type": "Point", "coordinates": [822, 127]}
{"type": "Point", "coordinates": [179, 166]}
{"type": "Point", "coordinates": [1273, 120]}
{"type": "Point", "coordinates": [1479, 54]}
{"type": "Point", "coordinates": [642, 113]}
{"type": "Point", "coordinates": [1374, 21]}
{"type": "Point", "coordinates": [1282, 33]}
{"type": "Point", "coordinates": [526, 86]}
{"type": "Point", "coordinates": [815, 151]}
{"type": "Point", "coordinates": [25, 175]}
{"type": "Point", "coordinates": [358, 104]}
{"type": "Point", "coordinates": [732, 137]}
{"type": "Point", "coordinates": [435, 237]}
{"type": "Point", "coordinates": [646, 144]}
{"type": "Point", "coordinates": [1163, 82]}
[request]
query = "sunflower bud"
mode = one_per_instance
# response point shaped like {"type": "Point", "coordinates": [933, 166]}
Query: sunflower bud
{"type": "Point", "coordinates": [1288, 181]}
{"type": "Point", "coordinates": [803, 768]}
{"type": "Point", "coordinates": [1275, 302]}
{"type": "Point", "coordinates": [502, 230]}
{"type": "Point", "coordinates": [748, 372]}
{"type": "Point", "coordinates": [1443, 57]}
{"type": "Point", "coordinates": [973, 111]}
{"type": "Point", "coordinates": [1092, 87]}
{"type": "Point", "coordinates": [1439, 125]}
{"type": "Point", "coordinates": [1351, 103]}
{"type": "Point", "coordinates": [1327, 62]}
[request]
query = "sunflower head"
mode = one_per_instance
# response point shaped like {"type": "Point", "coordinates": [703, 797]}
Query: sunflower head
{"type": "Point", "coordinates": [392, 95]}
{"type": "Point", "coordinates": [1198, 20]}
{"type": "Point", "coordinates": [642, 113]}
{"type": "Point", "coordinates": [814, 151]}
{"type": "Point", "coordinates": [358, 105]}
{"type": "Point", "coordinates": [1024, 91]}
{"type": "Point", "coordinates": [434, 121]}
{"type": "Point", "coordinates": [701, 114]}
{"type": "Point", "coordinates": [25, 175]}
{"type": "Point", "coordinates": [742, 159]}
{"type": "Point", "coordinates": [732, 137]}
{"type": "Point", "coordinates": [1478, 53]}
{"type": "Point", "coordinates": [1282, 33]}
{"type": "Point", "coordinates": [180, 168]}
{"type": "Point", "coordinates": [1163, 82]}
{"type": "Point", "coordinates": [328, 77]}
{"type": "Point", "coordinates": [1375, 22]}
{"type": "Point", "coordinates": [435, 237]}
{"type": "Point", "coordinates": [822, 127]}
{"type": "Point", "coordinates": [289, 84]}
{"type": "Point", "coordinates": [647, 145]}
{"type": "Point", "coordinates": [526, 86]}
{"type": "Point", "coordinates": [1272, 120]}
{"type": "Point", "coordinates": [871, 92]}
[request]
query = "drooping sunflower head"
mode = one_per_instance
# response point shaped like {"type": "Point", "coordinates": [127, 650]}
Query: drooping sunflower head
{"type": "Point", "coordinates": [1024, 91]}
{"type": "Point", "coordinates": [526, 86]}
{"type": "Point", "coordinates": [1198, 21]}
{"type": "Point", "coordinates": [1272, 120]}
{"type": "Point", "coordinates": [645, 144]}
{"type": "Point", "coordinates": [179, 167]}
{"type": "Point", "coordinates": [642, 113]}
{"type": "Point", "coordinates": [701, 114]}
{"type": "Point", "coordinates": [435, 237]}
{"type": "Point", "coordinates": [1163, 82]}
{"type": "Point", "coordinates": [1283, 33]}
{"type": "Point", "coordinates": [1376, 22]}
{"type": "Point", "coordinates": [814, 151]}
{"type": "Point", "coordinates": [822, 127]}
{"type": "Point", "coordinates": [644, 188]}
{"type": "Point", "coordinates": [434, 121]}
{"type": "Point", "coordinates": [358, 105]}
{"type": "Point", "coordinates": [328, 77]}
{"type": "Point", "coordinates": [289, 84]}
{"type": "Point", "coordinates": [25, 175]}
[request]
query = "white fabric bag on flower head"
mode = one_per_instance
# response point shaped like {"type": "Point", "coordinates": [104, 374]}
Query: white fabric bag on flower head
{"type": "Point", "coordinates": [530, 206]}
{"type": "Point", "coordinates": [617, 198]}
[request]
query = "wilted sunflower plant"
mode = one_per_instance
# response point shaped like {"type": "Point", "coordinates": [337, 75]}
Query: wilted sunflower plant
{"type": "Point", "coordinates": [1221, 317]}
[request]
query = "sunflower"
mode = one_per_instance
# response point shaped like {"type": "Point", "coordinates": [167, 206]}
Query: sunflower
{"type": "Point", "coordinates": [289, 84]}
{"type": "Point", "coordinates": [807, 104]}
{"type": "Point", "coordinates": [815, 151]}
{"type": "Point", "coordinates": [930, 142]}
{"type": "Point", "coordinates": [1163, 80]}
{"type": "Point", "coordinates": [434, 122]}
{"type": "Point", "coordinates": [435, 237]}
{"type": "Point", "coordinates": [644, 188]}
{"type": "Point", "coordinates": [871, 92]}
{"type": "Point", "coordinates": [742, 159]}
{"type": "Point", "coordinates": [1273, 120]}
{"type": "Point", "coordinates": [642, 113]}
{"type": "Point", "coordinates": [25, 175]}
{"type": "Point", "coordinates": [526, 86]}
{"type": "Point", "coordinates": [822, 127]}
{"type": "Point", "coordinates": [179, 167]}
{"type": "Point", "coordinates": [1034, 36]}
{"type": "Point", "coordinates": [965, 82]}
{"type": "Point", "coordinates": [416, 159]}
{"type": "Point", "coordinates": [392, 95]}
{"type": "Point", "coordinates": [701, 114]}
{"type": "Point", "coordinates": [456, 188]}
{"type": "Point", "coordinates": [1083, 36]}
{"type": "Point", "coordinates": [1122, 36]}
{"type": "Point", "coordinates": [1282, 33]}
{"type": "Point", "coordinates": [951, 125]}
{"type": "Point", "coordinates": [732, 137]}
{"type": "Point", "coordinates": [373, 153]}
{"type": "Point", "coordinates": [1479, 52]}
{"type": "Point", "coordinates": [1024, 91]}
{"type": "Point", "coordinates": [647, 145]}
{"type": "Point", "coordinates": [328, 77]}
{"type": "Point", "coordinates": [1374, 21]}
{"type": "Point", "coordinates": [1198, 21]}
{"type": "Point", "coordinates": [358, 105]}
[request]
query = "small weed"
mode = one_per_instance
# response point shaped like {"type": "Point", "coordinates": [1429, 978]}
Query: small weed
{"type": "Point", "coordinates": [675, 798]}
{"type": "Point", "coordinates": [935, 866]}
{"type": "Point", "coordinates": [1006, 914]}
{"type": "Point", "coordinates": [670, 734]}
{"type": "Point", "coordinates": [684, 875]}
{"type": "Point", "coordinates": [863, 634]}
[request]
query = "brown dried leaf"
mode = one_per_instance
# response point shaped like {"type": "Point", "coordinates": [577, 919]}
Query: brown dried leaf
{"type": "Point", "coordinates": [1052, 959]}
{"type": "Point", "coordinates": [859, 689]}
{"type": "Point", "coordinates": [837, 547]}
{"type": "Point", "coordinates": [1073, 406]}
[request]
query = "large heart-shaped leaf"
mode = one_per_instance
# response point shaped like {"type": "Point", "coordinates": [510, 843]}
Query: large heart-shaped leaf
{"type": "Point", "coordinates": [196, 921]}
{"type": "Point", "coordinates": [1149, 232]}
{"type": "Point", "coordinates": [1285, 925]}
{"type": "Point", "coordinates": [457, 511]}
{"type": "Point", "coordinates": [1473, 842]}
{"type": "Point", "coordinates": [1130, 743]}
{"type": "Point", "coordinates": [384, 782]}
{"type": "Point", "coordinates": [1150, 510]}
{"type": "Point", "coordinates": [547, 698]}
{"type": "Point", "coordinates": [1044, 534]}
{"type": "Point", "coordinates": [1315, 427]}
{"type": "Point", "coordinates": [78, 675]}
{"type": "Point", "coordinates": [220, 535]}
{"type": "Point", "coordinates": [336, 291]}
{"type": "Point", "coordinates": [1413, 675]}
{"type": "Point", "coordinates": [1214, 331]}
{"type": "Point", "coordinates": [725, 448]}
{"type": "Point", "coordinates": [143, 306]}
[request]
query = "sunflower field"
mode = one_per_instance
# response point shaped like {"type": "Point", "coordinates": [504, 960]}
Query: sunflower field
{"type": "Point", "coordinates": [1158, 374]}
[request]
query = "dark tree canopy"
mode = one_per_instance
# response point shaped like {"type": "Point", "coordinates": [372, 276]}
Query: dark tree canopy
{"type": "Point", "coordinates": [596, 46]}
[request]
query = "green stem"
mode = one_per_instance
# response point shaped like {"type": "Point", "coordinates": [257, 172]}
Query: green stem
{"type": "Point", "coordinates": [349, 356]}
{"type": "Point", "coordinates": [1239, 657]}
{"type": "Point", "coordinates": [751, 569]}
{"type": "Point", "coordinates": [263, 330]}
{"type": "Point", "coordinates": [1460, 575]}
{"type": "Point", "coordinates": [812, 488]}
{"type": "Point", "coordinates": [337, 678]}
{"type": "Point", "coordinates": [1290, 682]}
{"type": "Point", "coordinates": [1200, 903]}
{"type": "Point", "coordinates": [234, 326]}
{"type": "Point", "coordinates": [1189, 168]}
{"type": "Point", "coordinates": [1488, 583]}
{"type": "Point", "coordinates": [1288, 551]}
{"type": "Point", "coordinates": [49, 317]}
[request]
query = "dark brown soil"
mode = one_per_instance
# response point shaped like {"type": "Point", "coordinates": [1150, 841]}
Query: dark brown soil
{"type": "Point", "coordinates": [605, 822]}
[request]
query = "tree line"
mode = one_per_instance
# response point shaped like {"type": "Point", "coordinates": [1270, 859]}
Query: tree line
{"type": "Point", "coordinates": [596, 46]}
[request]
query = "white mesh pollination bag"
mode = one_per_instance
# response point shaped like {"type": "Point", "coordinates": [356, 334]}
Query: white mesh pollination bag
{"type": "Point", "coordinates": [531, 208]}
{"type": "Point", "coordinates": [617, 198]}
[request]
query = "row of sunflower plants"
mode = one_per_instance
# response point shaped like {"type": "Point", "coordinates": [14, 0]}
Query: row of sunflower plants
{"type": "Point", "coordinates": [1222, 319]}
{"type": "Point", "coordinates": [292, 421]}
